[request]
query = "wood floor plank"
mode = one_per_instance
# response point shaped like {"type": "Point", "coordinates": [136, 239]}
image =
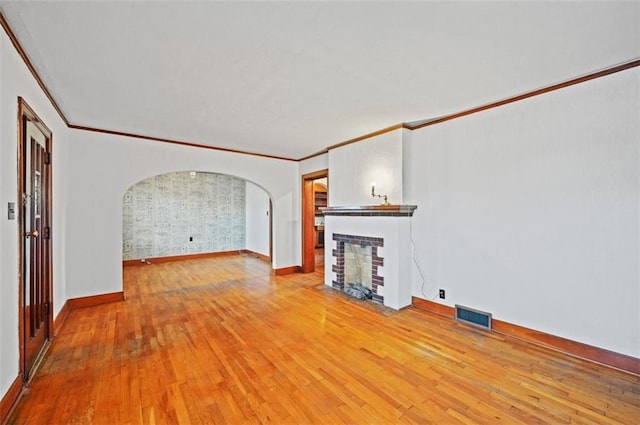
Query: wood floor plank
{"type": "Point", "coordinates": [222, 341]}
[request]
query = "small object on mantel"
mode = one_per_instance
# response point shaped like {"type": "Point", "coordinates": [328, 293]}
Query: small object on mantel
{"type": "Point", "coordinates": [385, 199]}
{"type": "Point", "coordinates": [371, 210]}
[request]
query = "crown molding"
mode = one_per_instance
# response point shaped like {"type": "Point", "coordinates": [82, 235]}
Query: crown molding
{"type": "Point", "coordinates": [414, 125]}
{"type": "Point", "coordinates": [32, 69]}
{"type": "Point", "coordinates": [177, 142]}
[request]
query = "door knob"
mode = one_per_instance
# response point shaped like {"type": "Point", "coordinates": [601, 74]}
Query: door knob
{"type": "Point", "coordinates": [33, 234]}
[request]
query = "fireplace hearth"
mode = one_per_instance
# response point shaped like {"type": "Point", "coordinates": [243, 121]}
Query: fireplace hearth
{"type": "Point", "coordinates": [357, 290]}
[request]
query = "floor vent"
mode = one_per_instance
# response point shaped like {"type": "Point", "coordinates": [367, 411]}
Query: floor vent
{"type": "Point", "coordinates": [474, 317]}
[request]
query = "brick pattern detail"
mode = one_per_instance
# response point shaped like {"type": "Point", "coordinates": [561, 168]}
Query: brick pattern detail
{"type": "Point", "coordinates": [376, 261]}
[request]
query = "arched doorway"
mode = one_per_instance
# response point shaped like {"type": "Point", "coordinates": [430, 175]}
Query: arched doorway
{"type": "Point", "coordinates": [187, 214]}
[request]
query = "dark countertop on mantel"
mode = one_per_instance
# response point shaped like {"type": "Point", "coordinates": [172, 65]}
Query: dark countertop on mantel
{"type": "Point", "coordinates": [371, 210]}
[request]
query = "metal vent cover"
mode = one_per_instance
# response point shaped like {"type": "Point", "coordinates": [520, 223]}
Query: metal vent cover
{"type": "Point", "coordinates": [473, 317]}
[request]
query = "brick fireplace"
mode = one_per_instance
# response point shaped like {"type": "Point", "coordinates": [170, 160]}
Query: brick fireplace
{"type": "Point", "coordinates": [368, 278]}
{"type": "Point", "coordinates": [381, 232]}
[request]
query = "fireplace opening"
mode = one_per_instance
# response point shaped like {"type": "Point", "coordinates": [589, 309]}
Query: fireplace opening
{"type": "Point", "coordinates": [357, 271]}
{"type": "Point", "coordinates": [357, 265]}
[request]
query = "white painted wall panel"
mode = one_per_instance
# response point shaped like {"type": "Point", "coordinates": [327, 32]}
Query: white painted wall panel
{"type": "Point", "coordinates": [316, 163]}
{"type": "Point", "coordinates": [530, 211]}
{"type": "Point", "coordinates": [257, 210]}
{"type": "Point", "coordinates": [15, 80]}
{"type": "Point", "coordinates": [355, 166]}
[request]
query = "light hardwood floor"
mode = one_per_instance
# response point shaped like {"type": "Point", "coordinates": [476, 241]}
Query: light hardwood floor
{"type": "Point", "coordinates": [220, 341]}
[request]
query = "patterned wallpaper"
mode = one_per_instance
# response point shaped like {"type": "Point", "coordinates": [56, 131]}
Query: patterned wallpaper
{"type": "Point", "coordinates": [161, 213]}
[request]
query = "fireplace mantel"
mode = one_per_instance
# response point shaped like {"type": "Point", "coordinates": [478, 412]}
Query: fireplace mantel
{"type": "Point", "coordinates": [371, 210]}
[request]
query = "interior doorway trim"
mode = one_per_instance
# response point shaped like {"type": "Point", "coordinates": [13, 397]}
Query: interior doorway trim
{"type": "Point", "coordinates": [308, 219]}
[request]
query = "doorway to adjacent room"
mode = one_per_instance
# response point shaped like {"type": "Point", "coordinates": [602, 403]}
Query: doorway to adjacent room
{"type": "Point", "coordinates": [315, 190]}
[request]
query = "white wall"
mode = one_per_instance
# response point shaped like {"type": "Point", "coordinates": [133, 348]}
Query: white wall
{"type": "Point", "coordinates": [15, 80]}
{"type": "Point", "coordinates": [257, 210]}
{"type": "Point", "coordinates": [102, 167]}
{"type": "Point", "coordinates": [353, 167]}
{"type": "Point", "coordinates": [530, 211]}
{"type": "Point", "coordinates": [317, 163]}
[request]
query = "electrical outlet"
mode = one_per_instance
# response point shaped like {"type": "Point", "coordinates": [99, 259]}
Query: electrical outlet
{"type": "Point", "coordinates": [441, 293]}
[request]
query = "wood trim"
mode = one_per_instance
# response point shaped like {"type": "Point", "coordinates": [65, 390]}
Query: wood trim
{"type": "Point", "coordinates": [369, 135]}
{"type": "Point", "coordinates": [49, 222]}
{"type": "Point", "coordinates": [286, 270]}
{"type": "Point", "coordinates": [177, 142]}
{"type": "Point", "coordinates": [612, 70]}
{"type": "Point", "coordinates": [307, 209]}
{"type": "Point", "coordinates": [415, 125]}
{"type": "Point", "coordinates": [138, 262]}
{"type": "Point", "coordinates": [32, 69]}
{"type": "Point", "coordinates": [155, 260]}
{"type": "Point", "coordinates": [432, 307]}
{"type": "Point", "coordinates": [566, 346]}
{"type": "Point", "coordinates": [61, 318]}
{"type": "Point", "coordinates": [20, 226]}
{"type": "Point", "coordinates": [318, 175]}
{"type": "Point", "coordinates": [308, 215]}
{"type": "Point", "coordinates": [314, 155]}
{"type": "Point", "coordinates": [10, 399]}
{"type": "Point", "coordinates": [94, 300]}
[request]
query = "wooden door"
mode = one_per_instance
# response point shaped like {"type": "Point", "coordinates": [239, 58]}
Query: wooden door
{"type": "Point", "coordinates": [35, 246]}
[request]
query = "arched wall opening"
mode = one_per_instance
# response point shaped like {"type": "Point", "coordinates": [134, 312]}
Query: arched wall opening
{"type": "Point", "coordinates": [105, 166]}
{"type": "Point", "coordinates": [187, 214]}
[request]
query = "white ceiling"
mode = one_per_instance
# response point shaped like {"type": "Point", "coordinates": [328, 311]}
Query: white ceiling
{"type": "Point", "coordinates": [291, 78]}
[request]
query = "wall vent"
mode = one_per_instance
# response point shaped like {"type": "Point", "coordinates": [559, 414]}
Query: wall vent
{"type": "Point", "coordinates": [474, 317]}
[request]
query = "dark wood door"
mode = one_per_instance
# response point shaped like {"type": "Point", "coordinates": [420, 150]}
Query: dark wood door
{"type": "Point", "coordinates": [36, 248]}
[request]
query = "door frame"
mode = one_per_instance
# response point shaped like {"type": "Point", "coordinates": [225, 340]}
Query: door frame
{"type": "Point", "coordinates": [308, 219]}
{"type": "Point", "coordinates": [25, 115]}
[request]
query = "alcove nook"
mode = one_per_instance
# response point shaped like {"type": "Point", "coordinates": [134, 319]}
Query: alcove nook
{"type": "Point", "coordinates": [188, 213]}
